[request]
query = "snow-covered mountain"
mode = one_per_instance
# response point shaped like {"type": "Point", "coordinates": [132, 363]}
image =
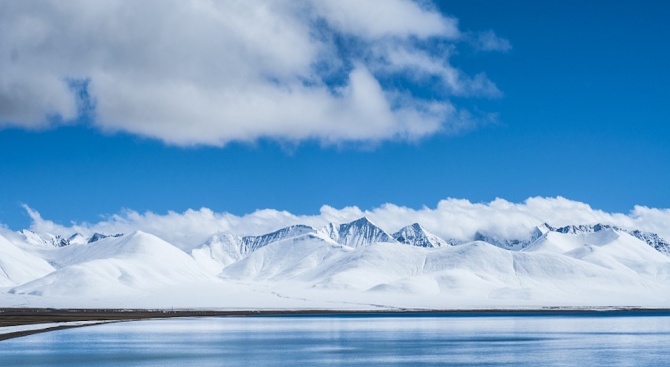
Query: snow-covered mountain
{"type": "Point", "coordinates": [253, 243]}
{"type": "Point", "coordinates": [223, 249]}
{"type": "Point", "coordinates": [47, 239]}
{"type": "Point", "coordinates": [474, 271]}
{"type": "Point", "coordinates": [652, 239]}
{"type": "Point", "coordinates": [33, 238]}
{"type": "Point", "coordinates": [219, 251]}
{"type": "Point", "coordinates": [516, 244]}
{"type": "Point", "coordinates": [358, 233]}
{"type": "Point", "coordinates": [416, 235]}
{"type": "Point", "coordinates": [340, 265]}
{"type": "Point", "coordinates": [285, 259]}
{"type": "Point", "coordinates": [118, 265]}
{"type": "Point", "coordinates": [18, 266]}
{"type": "Point", "coordinates": [76, 239]}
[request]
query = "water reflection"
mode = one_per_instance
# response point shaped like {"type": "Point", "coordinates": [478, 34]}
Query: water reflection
{"type": "Point", "coordinates": [351, 341]}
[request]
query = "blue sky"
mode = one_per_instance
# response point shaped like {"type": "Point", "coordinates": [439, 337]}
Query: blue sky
{"type": "Point", "coordinates": [579, 98]}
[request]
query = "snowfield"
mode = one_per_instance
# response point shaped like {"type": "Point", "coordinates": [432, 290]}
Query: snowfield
{"type": "Point", "coordinates": [353, 265]}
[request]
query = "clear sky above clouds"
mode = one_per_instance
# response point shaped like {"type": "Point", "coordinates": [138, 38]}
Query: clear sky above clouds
{"type": "Point", "coordinates": [238, 106]}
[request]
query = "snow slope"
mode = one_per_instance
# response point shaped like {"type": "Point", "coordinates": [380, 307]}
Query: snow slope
{"type": "Point", "coordinates": [118, 266]}
{"type": "Point", "coordinates": [18, 266]}
{"type": "Point", "coordinates": [219, 251]}
{"type": "Point", "coordinates": [285, 259]}
{"type": "Point", "coordinates": [610, 249]}
{"type": "Point", "coordinates": [474, 269]}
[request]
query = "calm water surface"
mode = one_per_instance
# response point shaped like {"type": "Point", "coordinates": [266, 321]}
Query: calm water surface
{"type": "Point", "coordinates": [354, 341]}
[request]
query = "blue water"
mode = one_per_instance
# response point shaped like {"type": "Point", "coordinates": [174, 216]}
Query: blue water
{"type": "Point", "coordinates": [354, 341]}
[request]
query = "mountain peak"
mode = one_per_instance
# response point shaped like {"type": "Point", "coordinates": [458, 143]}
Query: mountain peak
{"type": "Point", "coordinates": [417, 227]}
{"type": "Point", "coordinates": [60, 241]}
{"type": "Point", "coordinates": [416, 235]}
{"type": "Point", "coordinates": [362, 221]}
{"type": "Point", "coordinates": [357, 233]}
{"type": "Point", "coordinates": [96, 237]}
{"type": "Point", "coordinates": [540, 231]}
{"type": "Point", "coordinates": [253, 243]}
{"type": "Point", "coordinates": [76, 239]}
{"type": "Point", "coordinates": [33, 238]}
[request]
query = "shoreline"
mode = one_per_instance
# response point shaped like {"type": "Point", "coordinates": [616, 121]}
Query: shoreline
{"type": "Point", "coordinates": [12, 317]}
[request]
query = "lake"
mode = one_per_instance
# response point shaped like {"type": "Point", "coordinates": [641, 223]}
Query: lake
{"type": "Point", "coordinates": [611, 339]}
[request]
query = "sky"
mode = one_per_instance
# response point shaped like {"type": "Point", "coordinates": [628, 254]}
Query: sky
{"type": "Point", "coordinates": [125, 111]}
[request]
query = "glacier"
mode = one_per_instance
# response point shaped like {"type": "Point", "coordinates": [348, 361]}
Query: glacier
{"type": "Point", "coordinates": [354, 265]}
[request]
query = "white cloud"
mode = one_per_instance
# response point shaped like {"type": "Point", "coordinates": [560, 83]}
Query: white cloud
{"type": "Point", "coordinates": [390, 18]}
{"type": "Point", "coordinates": [212, 72]}
{"type": "Point", "coordinates": [422, 66]}
{"type": "Point", "coordinates": [489, 41]}
{"type": "Point", "coordinates": [451, 218]}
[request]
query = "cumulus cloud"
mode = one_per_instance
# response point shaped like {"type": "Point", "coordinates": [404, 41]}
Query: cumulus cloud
{"type": "Point", "coordinates": [451, 219]}
{"type": "Point", "coordinates": [210, 72]}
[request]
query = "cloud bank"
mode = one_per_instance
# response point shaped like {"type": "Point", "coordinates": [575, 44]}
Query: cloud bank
{"type": "Point", "coordinates": [451, 219]}
{"type": "Point", "coordinates": [210, 72]}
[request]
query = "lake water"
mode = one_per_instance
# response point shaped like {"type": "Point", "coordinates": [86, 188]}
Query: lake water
{"type": "Point", "coordinates": [354, 341]}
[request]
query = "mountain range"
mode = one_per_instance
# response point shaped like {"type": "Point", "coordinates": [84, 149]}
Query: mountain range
{"type": "Point", "coordinates": [340, 265]}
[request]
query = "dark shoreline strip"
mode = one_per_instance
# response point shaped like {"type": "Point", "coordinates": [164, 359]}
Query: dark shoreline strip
{"type": "Point", "coordinates": [33, 316]}
{"type": "Point", "coordinates": [19, 334]}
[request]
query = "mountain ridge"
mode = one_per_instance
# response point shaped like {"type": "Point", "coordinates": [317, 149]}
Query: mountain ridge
{"type": "Point", "coordinates": [363, 232]}
{"type": "Point", "coordinates": [582, 264]}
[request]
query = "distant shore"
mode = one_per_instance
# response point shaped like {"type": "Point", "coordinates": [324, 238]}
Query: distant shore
{"type": "Point", "coordinates": [12, 317]}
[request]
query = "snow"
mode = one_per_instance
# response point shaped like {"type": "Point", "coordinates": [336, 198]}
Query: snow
{"type": "Point", "coordinates": [284, 259]}
{"type": "Point", "coordinates": [219, 251]}
{"type": "Point", "coordinates": [416, 235]}
{"type": "Point", "coordinates": [77, 239]}
{"type": "Point", "coordinates": [358, 233]}
{"type": "Point", "coordinates": [253, 243]}
{"type": "Point", "coordinates": [18, 266]}
{"type": "Point", "coordinates": [355, 265]}
{"type": "Point", "coordinates": [122, 265]}
{"type": "Point", "coordinates": [33, 238]}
